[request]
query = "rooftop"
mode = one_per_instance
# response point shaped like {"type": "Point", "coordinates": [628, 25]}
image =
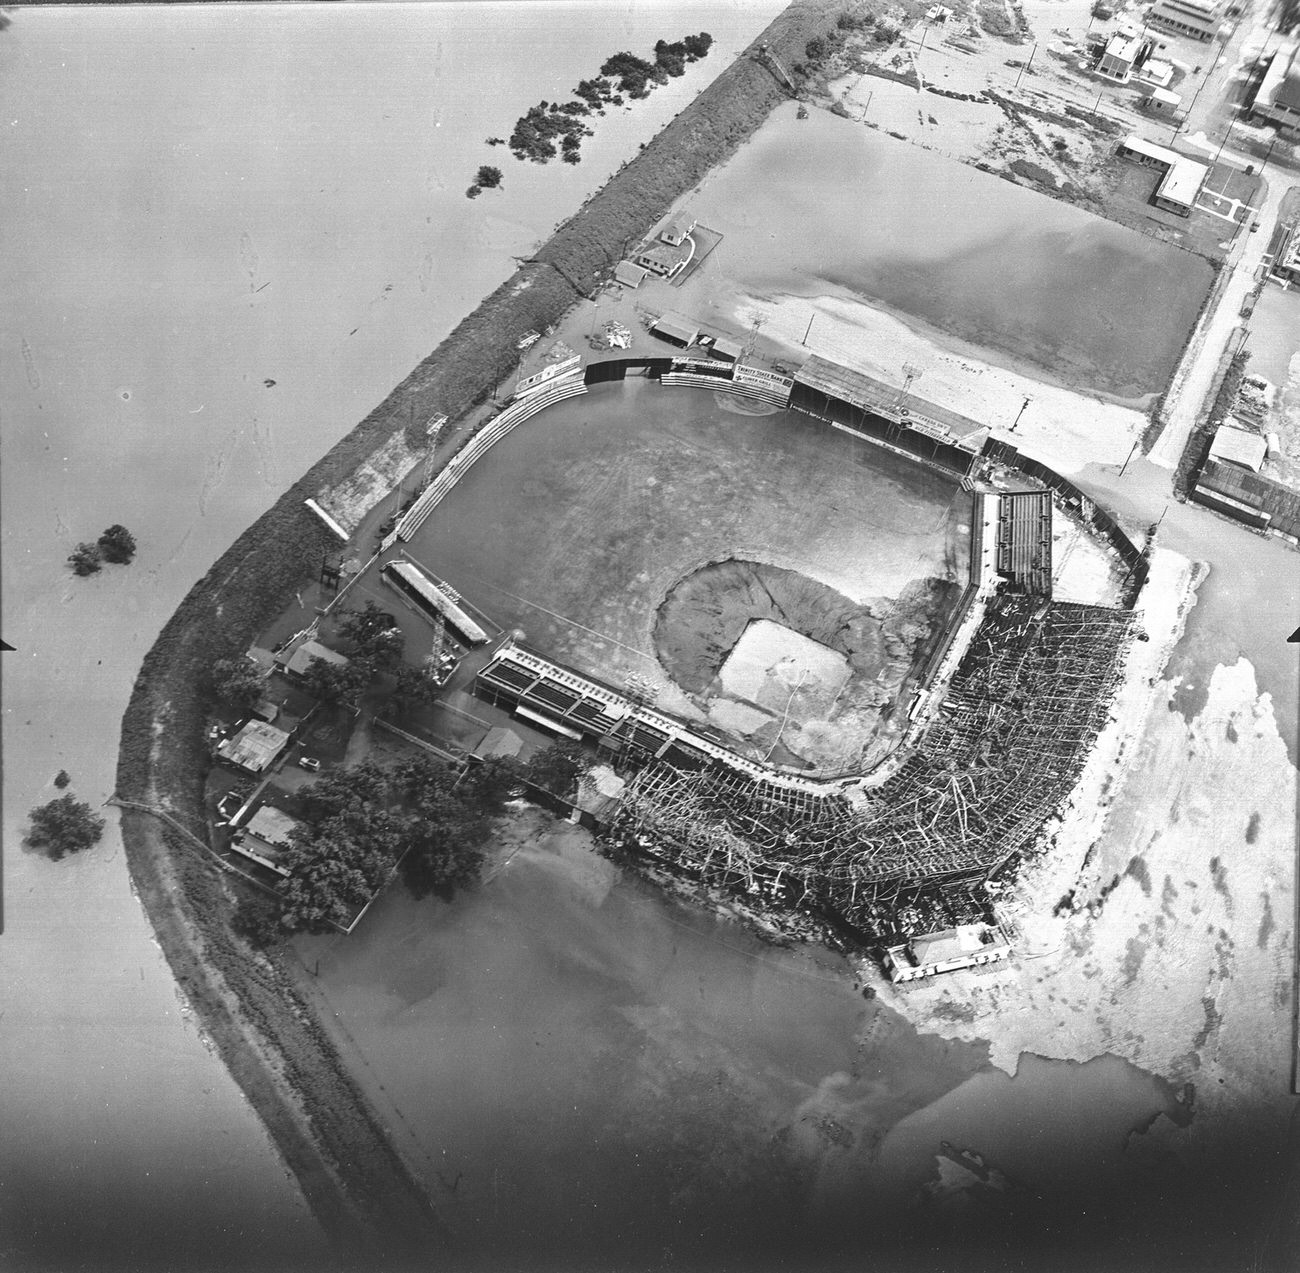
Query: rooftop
{"type": "Point", "coordinates": [271, 824]}
{"type": "Point", "coordinates": [255, 747]}
{"type": "Point", "coordinates": [1237, 446]}
{"type": "Point", "coordinates": [303, 657]}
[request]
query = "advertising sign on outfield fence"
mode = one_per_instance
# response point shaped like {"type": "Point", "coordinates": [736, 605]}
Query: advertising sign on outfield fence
{"type": "Point", "coordinates": [565, 368]}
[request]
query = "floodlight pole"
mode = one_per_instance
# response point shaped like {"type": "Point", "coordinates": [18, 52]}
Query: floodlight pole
{"type": "Point", "coordinates": [1019, 413]}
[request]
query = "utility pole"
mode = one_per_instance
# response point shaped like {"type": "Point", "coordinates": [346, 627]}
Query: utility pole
{"type": "Point", "coordinates": [812, 320]}
{"type": "Point", "coordinates": [1027, 65]}
{"type": "Point", "coordinates": [867, 107]}
{"type": "Point", "coordinates": [1129, 457]}
{"type": "Point", "coordinates": [1222, 144]}
{"type": "Point", "coordinates": [1019, 413]}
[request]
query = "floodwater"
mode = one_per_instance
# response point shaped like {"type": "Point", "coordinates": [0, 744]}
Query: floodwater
{"type": "Point", "coordinates": [229, 231]}
{"type": "Point", "coordinates": [589, 1076]}
{"type": "Point", "coordinates": [829, 205]}
{"type": "Point", "coordinates": [575, 526]}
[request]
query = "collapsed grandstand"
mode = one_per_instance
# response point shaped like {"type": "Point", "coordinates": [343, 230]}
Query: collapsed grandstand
{"type": "Point", "coordinates": [1004, 750]}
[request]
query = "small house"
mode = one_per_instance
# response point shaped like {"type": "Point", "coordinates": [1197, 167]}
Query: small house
{"type": "Point", "coordinates": [305, 654]}
{"type": "Point", "coordinates": [661, 259]}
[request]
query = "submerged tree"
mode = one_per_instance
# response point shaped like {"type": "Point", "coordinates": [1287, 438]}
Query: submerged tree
{"type": "Point", "coordinates": [488, 177]}
{"type": "Point", "coordinates": [65, 825]}
{"type": "Point", "coordinates": [85, 559]}
{"type": "Point", "coordinates": [117, 545]}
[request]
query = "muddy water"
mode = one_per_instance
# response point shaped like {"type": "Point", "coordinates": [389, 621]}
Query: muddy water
{"type": "Point", "coordinates": [959, 251]}
{"type": "Point", "coordinates": [575, 526]}
{"type": "Point", "coordinates": [201, 202]}
{"type": "Point", "coordinates": [596, 1077]}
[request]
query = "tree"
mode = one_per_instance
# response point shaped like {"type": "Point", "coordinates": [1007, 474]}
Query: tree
{"type": "Point", "coordinates": [335, 682]}
{"type": "Point", "coordinates": [117, 544]}
{"type": "Point", "coordinates": [486, 785]}
{"type": "Point", "coordinates": [61, 779]}
{"type": "Point", "coordinates": [258, 918]}
{"type": "Point", "coordinates": [417, 685]}
{"type": "Point", "coordinates": [556, 769]}
{"type": "Point", "coordinates": [85, 559]}
{"type": "Point", "coordinates": [238, 683]}
{"type": "Point", "coordinates": [815, 49]}
{"type": "Point", "coordinates": [488, 177]}
{"type": "Point", "coordinates": [65, 825]}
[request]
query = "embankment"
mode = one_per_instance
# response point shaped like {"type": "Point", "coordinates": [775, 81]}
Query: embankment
{"type": "Point", "coordinates": [282, 1060]}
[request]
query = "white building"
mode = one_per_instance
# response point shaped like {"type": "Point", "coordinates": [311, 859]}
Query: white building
{"type": "Point", "coordinates": [966, 946]}
{"type": "Point", "coordinates": [1183, 177]}
{"type": "Point", "coordinates": [1192, 19]}
{"type": "Point", "coordinates": [1278, 99]}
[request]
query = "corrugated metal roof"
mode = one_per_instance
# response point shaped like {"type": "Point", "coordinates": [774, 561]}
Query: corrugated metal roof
{"type": "Point", "coordinates": [728, 348]}
{"type": "Point", "coordinates": [255, 746]}
{"type": "Point", "coordinates": [272, 825]}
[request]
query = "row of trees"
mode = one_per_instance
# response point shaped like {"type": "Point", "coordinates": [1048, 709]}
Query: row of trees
{"type": "Point", "coordinates": [115, 545]}
{"type": "Point", "coordinates": [548, 125]}
{"type": "Point", "coordinates": [357, 825]}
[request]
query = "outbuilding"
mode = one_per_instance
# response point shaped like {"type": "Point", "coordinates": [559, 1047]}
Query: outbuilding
{"type": "Point", "coordinates": [726, 349]}
{"type": "Point", "coordinates": [1240, 447]}
{"type": "Point", "coordinates": [676, 329]}
{"type": "Point", "coordinates": [629, 274]}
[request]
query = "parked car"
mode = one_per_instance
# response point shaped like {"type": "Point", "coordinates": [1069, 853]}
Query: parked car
{"type": "Point", "coordinates": [309, 763]}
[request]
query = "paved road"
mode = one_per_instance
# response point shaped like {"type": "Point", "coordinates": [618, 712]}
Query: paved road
{"type": "Point", "coordinates": [1194, 378]}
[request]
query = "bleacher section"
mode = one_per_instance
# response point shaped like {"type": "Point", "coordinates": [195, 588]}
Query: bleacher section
{"type": "Point", "coordinates": [1024, 541]}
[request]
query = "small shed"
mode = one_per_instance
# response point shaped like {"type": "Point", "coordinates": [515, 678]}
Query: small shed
{"type": "Point", "coordinates": [676, 329]}
{"type": "Point", "coordinates": [1163, 101]}
{"type": "Point", "coordinates": [727, 349]}
{"type": "Point", "coordinates": [629, 274]}
{"type": "Point", "coordinates": [1238, 446]}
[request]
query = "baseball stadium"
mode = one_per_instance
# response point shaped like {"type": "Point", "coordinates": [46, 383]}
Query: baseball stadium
{"type": "Point", "coordinates": [842, 653]}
